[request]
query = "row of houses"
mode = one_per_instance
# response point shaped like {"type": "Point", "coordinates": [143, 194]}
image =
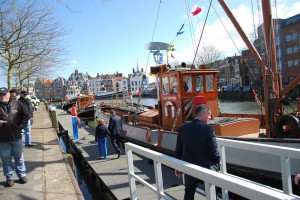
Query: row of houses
{"type": "Point", "coordinates": [244, 70]}
{"type": "Point", "coordinates": [80, 83]}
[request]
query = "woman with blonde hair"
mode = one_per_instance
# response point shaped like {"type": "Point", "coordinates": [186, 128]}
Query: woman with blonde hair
{"type": "Point", "coordinates": [101, 137]}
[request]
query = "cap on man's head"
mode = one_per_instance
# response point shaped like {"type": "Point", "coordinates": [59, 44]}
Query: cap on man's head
{"type": "Point", "coordinates": [24, 92]}
{"type": "Point", "coordinates": [13, 91]}
{"type": "Point", "coordinates": [3, 90]}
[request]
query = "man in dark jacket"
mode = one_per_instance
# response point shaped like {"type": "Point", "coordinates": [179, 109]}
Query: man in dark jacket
{"type": "Point", "coordinates": [13, 118]}
{"type": "Point", "coordinates": [27, 104]}
{"type": "Point", "coordinates": [196, 143]}
{"type": "Point", "coordinates": [115, 129]}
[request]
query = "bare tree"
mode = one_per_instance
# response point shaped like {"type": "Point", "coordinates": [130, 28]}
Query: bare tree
{"type": "Point", "coordinates": [29, 34]}
{"type": "Point", "coordinates": [208, 55]}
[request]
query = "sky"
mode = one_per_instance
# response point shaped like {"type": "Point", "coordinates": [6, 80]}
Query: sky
{"type": "Point", "coordinates": [109, 36]}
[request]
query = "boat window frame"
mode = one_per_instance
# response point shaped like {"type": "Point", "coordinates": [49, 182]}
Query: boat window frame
{"type": "Point", "coordinates": [170, 90]}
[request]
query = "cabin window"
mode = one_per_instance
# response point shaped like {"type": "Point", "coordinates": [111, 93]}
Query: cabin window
{"type": "Point", "coordinates": [173, 85]}
{"type": "Point", "coordinates": [209, 82]}
{"type": "Point", "coordinates": [199, 83]}
{"type": "Point", "coordinates": [165, 85]}
{"type": "Point", "coordinates": [187, 84]}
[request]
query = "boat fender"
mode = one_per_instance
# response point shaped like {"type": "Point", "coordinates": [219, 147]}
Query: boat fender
{"type": "Point", "coordinates": [287, 126]}
{"type": "Point", "coordinates": [169, 103]}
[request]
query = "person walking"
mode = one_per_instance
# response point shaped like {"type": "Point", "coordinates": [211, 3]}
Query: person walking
{"type": "Point", "coordinates": [196, 144]}
{"type": "Point", "coordinates": [13, 118]}
{"type": "Point", "coordinates": [27, 129]}
{"type": "Point", "coordinates": [101, 137]}
{"type": "Point", "coordinates": [115, 128]}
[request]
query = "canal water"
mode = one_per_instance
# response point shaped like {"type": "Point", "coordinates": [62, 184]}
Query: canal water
{"type": "Point", "coordinates": [226, 106]}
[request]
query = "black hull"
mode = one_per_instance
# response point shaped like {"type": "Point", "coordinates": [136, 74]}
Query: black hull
{"type": "Point", "coordinates": [87, 114]}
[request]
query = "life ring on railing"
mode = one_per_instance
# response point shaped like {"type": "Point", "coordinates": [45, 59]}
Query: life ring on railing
{"type": "Point", "coordinates": [287, 126]}
{"type": "Point", "coordinates": [169, 103]}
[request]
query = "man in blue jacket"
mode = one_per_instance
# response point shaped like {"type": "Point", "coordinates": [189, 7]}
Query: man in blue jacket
{"type": "Point", "coordinates": [196, 143]}
{"type": "Point", "coordinates": [115, 129]}
{"type": "Point", "coordinates": [13, 118]}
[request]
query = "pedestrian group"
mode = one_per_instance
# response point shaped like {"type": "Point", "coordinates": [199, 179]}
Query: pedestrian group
{"type": "Point", "coordinates": [15, 121]}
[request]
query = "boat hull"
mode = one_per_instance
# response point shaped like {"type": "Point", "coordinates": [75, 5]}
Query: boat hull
{"type": "Point", "coordinates": [165, 141]}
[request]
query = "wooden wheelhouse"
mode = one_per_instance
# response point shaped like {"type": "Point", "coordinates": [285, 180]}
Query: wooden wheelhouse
{"type": "Point", "coordinates": [180, 90]}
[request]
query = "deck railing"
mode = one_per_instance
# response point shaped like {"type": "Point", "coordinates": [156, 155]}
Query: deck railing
{"type": "Point", "coordinates": [284, 153]}
{"type": "Point", "coordinates": [242, 187]}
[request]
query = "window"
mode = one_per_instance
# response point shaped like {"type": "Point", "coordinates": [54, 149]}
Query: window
{"type": "Point", "coordinates": [294, 36]}
{"type": "Point", "coordinates": [187, 84]}
{"type": "Point", "coordinates": [296, 62]}
{"type": "Point", "coordinates": [174, 86]}
{"type": "Point", "coordinates": [289, 50]}
{"type": "Point", "coordinates": [165, 85]}
{"type": "Point", "coordinates": [295, 49]}
{"type": "Point", "coordinates": [278, 53]}
{"type": "Point", "coordinates": [288, 38]}
{"type": "Point", "coordinates": [209, 82]}
{"type": "Point", "coordinates": [290, 63]}
{"type": "Point", "coordinates": [199, 83]}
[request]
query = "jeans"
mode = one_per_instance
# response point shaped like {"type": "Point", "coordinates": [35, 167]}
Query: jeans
{"type": "Point", "coordinates": [102, 144]}
{"type": "Point", "coordinates": [27, 130]}
{"type": "Point", "coordinates": [9, 150]}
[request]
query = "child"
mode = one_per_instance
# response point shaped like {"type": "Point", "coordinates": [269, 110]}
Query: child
{"type": "Point", "coordinates": [100, 136]}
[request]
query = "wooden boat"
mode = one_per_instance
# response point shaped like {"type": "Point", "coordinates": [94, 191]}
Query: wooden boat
{"type": "Point", "coordinates": [87, 113]}
{"type": "Point", "coordinates": [104, 94]}
{"type": "Point", "coordinates": [80, 101]}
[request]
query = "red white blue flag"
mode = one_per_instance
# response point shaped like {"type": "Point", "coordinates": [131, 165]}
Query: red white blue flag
{"type": "Point", "coordinates": [196, 10]}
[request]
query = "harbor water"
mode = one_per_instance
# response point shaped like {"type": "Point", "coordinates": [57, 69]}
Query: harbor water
{"type": "Point", "coordinates": [226, 106]}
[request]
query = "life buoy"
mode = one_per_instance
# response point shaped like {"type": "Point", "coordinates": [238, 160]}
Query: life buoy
{"type": "Point", "coordinates": [169, 103]}
{"type": "Point", "coordinates": [287, 126]}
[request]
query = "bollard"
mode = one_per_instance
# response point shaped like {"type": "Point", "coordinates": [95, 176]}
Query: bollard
{"type": "Point", "coordinates": [54, 120]}
{"type": "Point", "coordinates": [75, 128]}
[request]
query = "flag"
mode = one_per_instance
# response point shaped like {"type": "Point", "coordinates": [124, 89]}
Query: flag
{"type": "Point", "coordinates": [172, 56]}
{"type": "Point", "coordinates": [196, 10]}
{"type": "Point", "coordinates": [171, 47]}
{"type": "Point", "coordinates": [179, 33]}
{"type": "Point", "coordinates": [180, 30]}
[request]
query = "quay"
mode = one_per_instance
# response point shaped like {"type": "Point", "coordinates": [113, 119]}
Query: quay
{"type": "Point", "coordinates": [49, 175]}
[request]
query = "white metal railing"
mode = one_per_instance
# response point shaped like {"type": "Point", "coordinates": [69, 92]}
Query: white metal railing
{"type": "Point", "coordinates": [245, 188]}
{"type": "Point", "coordinates": [284, 153]}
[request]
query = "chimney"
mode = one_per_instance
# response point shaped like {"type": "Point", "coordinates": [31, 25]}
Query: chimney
{"type": "Point", "coordinates": [97, 74]}
{"type": "Point", "coordinates": [133, 70]}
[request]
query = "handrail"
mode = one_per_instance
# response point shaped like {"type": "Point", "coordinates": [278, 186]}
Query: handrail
{"type": "Point", "coordinates": [211, 178]}
{"type": "Point", "coordinates": [284, 153]}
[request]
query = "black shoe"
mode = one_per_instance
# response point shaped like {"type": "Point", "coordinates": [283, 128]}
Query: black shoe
{"type": "Point", "coordinates": [10, 183]}
{"type": "Point", "coordinates": [29, 145]}
{"type": "Point", "coordinates": [119, 154]}
{"type": "Point", "coordinates": [23, 180]}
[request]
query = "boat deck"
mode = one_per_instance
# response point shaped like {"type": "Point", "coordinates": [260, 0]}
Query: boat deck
{"type": "Point", "coordinates": [113, 171]}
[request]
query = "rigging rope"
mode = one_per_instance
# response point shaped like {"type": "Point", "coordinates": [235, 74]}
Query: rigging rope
{"type": "Point", "coordinates": [239, 51]}
{"type": "Point", "coordinates": [202, 32]}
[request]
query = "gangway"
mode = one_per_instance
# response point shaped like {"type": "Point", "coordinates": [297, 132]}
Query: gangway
{"type": "Point", "coordinates": [240, 186]}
